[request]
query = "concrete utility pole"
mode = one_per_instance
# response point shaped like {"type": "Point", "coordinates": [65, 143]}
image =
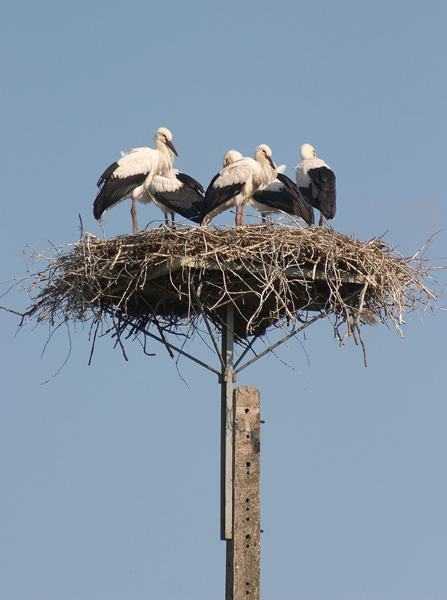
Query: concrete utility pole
{"type": "Point", "coordinates": [240, 477]}
{"type": "Point", "coordinates": [243, 567]}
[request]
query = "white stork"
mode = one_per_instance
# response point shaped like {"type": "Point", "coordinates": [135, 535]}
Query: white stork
{"type": "Point", "coordinates": [316, 182]}
{"type": "Point", "coordinates": [279, 196]}
{"type": "Point", "coordinates": [131, 175]}
{"type": "Point", "coordinates": [174, 193]}
{"type": "Point", "coordinates": [236, 183]}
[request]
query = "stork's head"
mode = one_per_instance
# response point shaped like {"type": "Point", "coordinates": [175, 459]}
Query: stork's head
{"type": "Point", "coordinates": [231, 157]}
{"type": "Point", "coordinates": [307, 151]}
{"type": "Point", "coordinates": [264, 154]}
{"type": "Point", "coordinates": [164, 136]}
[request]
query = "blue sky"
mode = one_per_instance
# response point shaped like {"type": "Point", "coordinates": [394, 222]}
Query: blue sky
{"type": "Point", "coordinates": [110, 473]}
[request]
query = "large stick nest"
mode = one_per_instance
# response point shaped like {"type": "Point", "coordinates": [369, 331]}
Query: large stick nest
{"type": "Point", "coordinates": [169, 278]}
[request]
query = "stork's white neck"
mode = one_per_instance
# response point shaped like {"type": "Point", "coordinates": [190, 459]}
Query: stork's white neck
{"type": "Point", "coordinates": [166, 159]}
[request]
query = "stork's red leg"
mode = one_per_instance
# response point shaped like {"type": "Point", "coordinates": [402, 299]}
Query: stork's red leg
{"type": "Point", "coordinates": [133, 212]}
{"type": "Point", "coordinates": [241, 221]}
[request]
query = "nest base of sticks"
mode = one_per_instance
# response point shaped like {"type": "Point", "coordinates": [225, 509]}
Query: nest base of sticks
{"type": "Point", "coordinates": [174, 278]}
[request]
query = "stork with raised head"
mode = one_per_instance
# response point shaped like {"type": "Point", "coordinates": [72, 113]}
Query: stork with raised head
{"type": "Point", "coordinates": [236, 183]}
{"type": "Point", "coordinates": [315, 181]}
{"type": "Point", "coordinates": [174, 193]}
{"type": "Point", "coordinates": [132, 174]}
{"type": "Point", "coordinates": [279, 196]}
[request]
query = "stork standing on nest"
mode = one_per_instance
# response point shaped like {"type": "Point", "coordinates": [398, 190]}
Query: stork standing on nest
{"type": "Point", "coordinates": [316, 182]}
{"type": "Point", "coordinates": [279, 196]}
{"type": "Point", "coordinates": [174, 193]}
{"type": "Point", "coordinates": [236, 184]}
{"type": "Point", "coordinates": [132, 174]}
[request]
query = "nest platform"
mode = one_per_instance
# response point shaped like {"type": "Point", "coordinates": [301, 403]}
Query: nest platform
{"type": "Point", "coordinates": [279, 276]}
